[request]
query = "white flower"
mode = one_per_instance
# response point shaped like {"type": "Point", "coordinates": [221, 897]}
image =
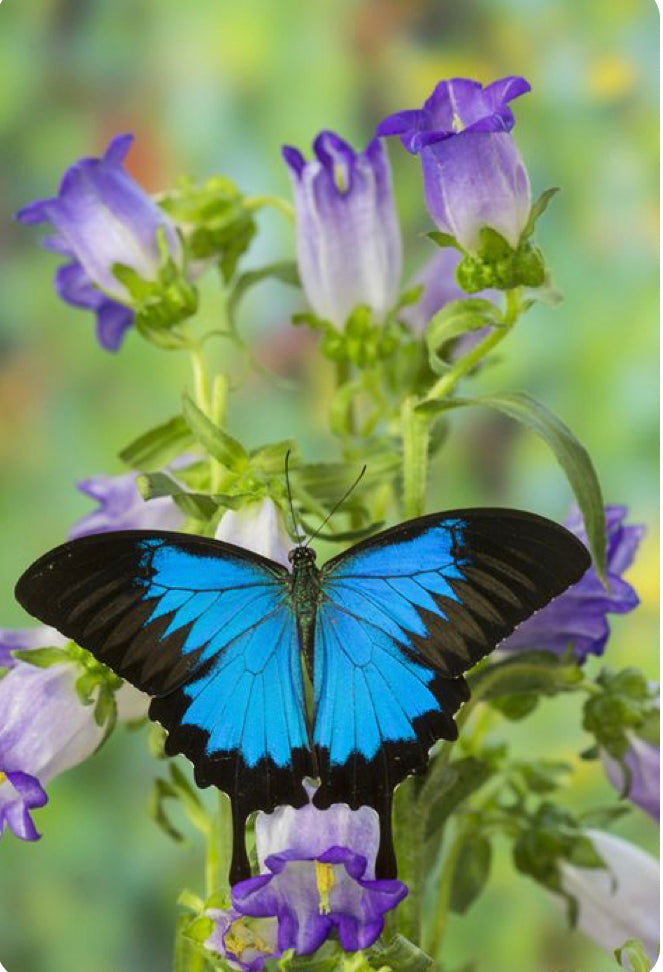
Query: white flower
{"type": "Point", "coordinates": [258, 527]}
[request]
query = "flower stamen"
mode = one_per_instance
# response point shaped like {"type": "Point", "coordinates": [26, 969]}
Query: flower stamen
{"type": "Point", "coordinates": [241, 937]}
{"type": "Point", "coordinates": [324, 879]}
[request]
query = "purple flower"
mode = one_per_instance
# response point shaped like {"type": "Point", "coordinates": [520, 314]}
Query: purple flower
{"type": "Point", "coordinates": [121, 507]}
{"type": "Point", "coordinates": [44, 728]}
{"type": "Point", "coordinates": [474, 175]}
{"type": "Point", "coordinates": [643, 761]}
{"type": "Point", "coordinates": [578, 616]}
{"type": "Point", "coordinates": [102, 217]}
{"type": "Point", "coordinates": [245, 943]}
{"type": "Point", "coordinates": [318, 874]}
{"type": "Point", "coordinates": [348, 236]}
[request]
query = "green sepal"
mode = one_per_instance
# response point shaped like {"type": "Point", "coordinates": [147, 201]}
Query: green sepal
{"type": "Point", "coordinates": [270, 459]}
{"type": "Point", "coordinates": [537, 210]}
{"type": "Point", "coordinates": [515, 707]}
{"type": "Point", "coordinates": [156, 741]}
{"type": "Point", "coordinates": [4, 670]}
{"type": "Point", "coordinates": [632, 955]}
{"type": "Point", "coordinates": [411, 296]}
{"type": "Point", "coordinates": [221, 446]}
{"type": "Point", "coordinates": [159, 305]}
{"type": "Point", "coordinates": [471, 872]}
{"type": "Point", "coordinates": [498, 266]}
{"type": "Point", "coordinates": [42, 657]}
{"type": "Point", "coordinates": [603, 817]}
{"type": "Point", "coordinates": [444, 240]}
{"type": "Point", "coordinates": [569, 452]}
{"type": "Point", "coordinates": [399, 954]}
{"type": "Point", "coordinates": [158, 446]}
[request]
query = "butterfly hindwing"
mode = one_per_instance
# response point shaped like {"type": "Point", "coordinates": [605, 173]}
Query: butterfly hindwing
{"type": "Point", "coordinates": [207, 629]}
{"type": "Point", "coordinates": [402, 616]}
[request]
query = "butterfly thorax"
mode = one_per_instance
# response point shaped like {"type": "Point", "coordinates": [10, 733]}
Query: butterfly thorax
{"type": "Point", "coordinates": [305, 594]}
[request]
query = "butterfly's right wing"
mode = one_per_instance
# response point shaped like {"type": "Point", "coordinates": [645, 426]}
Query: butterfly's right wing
{"type": "Point", "coordinates": [206, 628]}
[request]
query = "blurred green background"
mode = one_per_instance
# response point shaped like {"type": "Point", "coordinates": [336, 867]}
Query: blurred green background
{"type": "Point", "coordinates": [212, 86]}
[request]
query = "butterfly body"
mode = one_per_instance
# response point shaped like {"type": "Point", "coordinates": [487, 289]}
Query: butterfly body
{"type": "Point", "coordinates": [224, 640]}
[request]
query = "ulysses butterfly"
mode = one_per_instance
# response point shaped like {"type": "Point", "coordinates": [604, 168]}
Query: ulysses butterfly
{"type": "Point", "coordinates": [226, 640]}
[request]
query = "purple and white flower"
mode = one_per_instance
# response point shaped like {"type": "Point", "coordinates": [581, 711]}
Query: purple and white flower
{"type": "Point", "coordinates": [44, 728]}
{"type": "Point", "coordinates": [102, 217]}
{"type": "Point", "coordinates": [348, 237]}
{"type": "Point", "coordinates": [245, 943]}
{"type": "Point", "coordinates": [620, 901]}
{"type": "Point", "coordinates": [474, 175]}
{"type": "Point", "coordinates": [317, 874]}
{"type": "Point", "coordinates": [579, 615]}
{"type": "Point", "coordinates": [121, 507]}
{"type": "Point", "coordinates": [643, 762]}
{"type": "Point", "coordinates": [259, 527]}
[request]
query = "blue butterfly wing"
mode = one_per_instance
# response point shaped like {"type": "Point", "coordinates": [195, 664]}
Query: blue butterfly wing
{"type": "Point", "coordinates": [403, 615]}
{"type": "Point", "coordinates": [207, 629]}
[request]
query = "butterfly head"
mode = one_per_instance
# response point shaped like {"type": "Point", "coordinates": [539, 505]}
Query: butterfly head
{"type": "Point", "coordinates": [299, 556]}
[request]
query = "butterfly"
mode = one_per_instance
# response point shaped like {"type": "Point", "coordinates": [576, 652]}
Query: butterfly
{"type": "Point", "coordinates": [347, 673]}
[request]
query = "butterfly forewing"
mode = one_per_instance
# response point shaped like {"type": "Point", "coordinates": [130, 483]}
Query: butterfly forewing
{"type": "Point", "coordinates": [208, 630]}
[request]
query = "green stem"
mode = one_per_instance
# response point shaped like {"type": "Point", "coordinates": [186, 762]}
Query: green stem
{"type": "Point", "coordinates": [415, 437]}
{"type": "Point", "coordinates": [434, 940]}
{"type": "Point", "coordinates": [446, 384]}
{"type": "Point", "coordinates": [259, 202]}
{"type": "Point", "coordinates": [217, 856]}
{"type": "Point", "coordinates": [200, 379]}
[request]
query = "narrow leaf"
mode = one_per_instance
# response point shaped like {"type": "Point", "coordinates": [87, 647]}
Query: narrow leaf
{"type": "Point", "coordinates": [401, 955]}
{"type": "Point", "coordinates": [471, 873]}
{"type": "Point", "coordinates": [538, 208]}
{"type": "Point", "coordinates": [218, 443]}
{"type": "Point", "coordinates": [571, 455]}
{"type": "Point", "coordinates": [285, 271]}
{"type": "Point", "coordinates": [158, 446]}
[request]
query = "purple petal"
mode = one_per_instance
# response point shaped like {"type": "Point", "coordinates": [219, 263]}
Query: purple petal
{"type": "Point", "coordinates": [123, 508]}
{"type": "Point", "coordinates": [113, 322]}
{"type": "Point", "coordinates": [23, 639]}
{"type": "Point", "coordinates": [118, 148]}
{"type": "Point", "coordinates": [73, 285]}
{"type": "Point", "coordinates": [643, 759]}
{"type": "Point", "coordinates": [19, 794]}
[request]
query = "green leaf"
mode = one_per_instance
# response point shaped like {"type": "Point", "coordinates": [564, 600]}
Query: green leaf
{"type": "Point", "coordinates": [602, 817]}
{"type": "Point", "coordinates": [400, 955]}
{"type": "Point", "coordinates": [198, 505]}
{"type": "Point", "coordinates": [537, 210]}
{"type": "Point", "coordinates": [528, 672]}
{"type": "Point", "coordinates": [571, 455]}
{"type": "Point", "coordinates": [284, 270]}
{"type": "Point", "coordinates": [270, 459]}
{"type": "Point", "coordinates": [632, 956]}
{"type": "Point", "coordinates": [448, 785]}
{"type": "Point", "coordinates": [218, 443]}
{"type": "Point", "coordinates": [158, 446]}
{"type": "Point", "coordinates": [471, 873]}
{"type": "Point", "coordinates": [162, 791]}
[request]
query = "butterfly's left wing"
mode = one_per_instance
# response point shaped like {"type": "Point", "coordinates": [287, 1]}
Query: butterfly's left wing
{"type": "Point", "coordinates": [208, 630]}
{"type": "Point", "coordinates": [403, 615]}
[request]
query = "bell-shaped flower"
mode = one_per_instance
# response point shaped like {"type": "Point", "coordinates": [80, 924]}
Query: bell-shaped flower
{"type": "Point", "coordinates": [348, 241]}
{"type": "Point", "coordinates": [642, 783]}
{"type": "Point", "coordinates": [620, 901]}
{"type": "Point", "coordinates": [317, 874]}
{"type": "Point", "coordinates": [259, 527]}
{"type": "Point", "coordinates": [245, 943]}
{"type": "Point", "coordinates": [101, 218]}
{"type": "Point", "coordinates": [579, 615]}
{"type": "Point", "coordinates": [44, 728]}
{"type": "Point", "coordinates": [474, 175]}
{"type": "Point", "coordinates": [121, 507]}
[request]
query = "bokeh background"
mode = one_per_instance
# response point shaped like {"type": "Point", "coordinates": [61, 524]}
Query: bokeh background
{"type": "Point", "coordinates": [214, 86]}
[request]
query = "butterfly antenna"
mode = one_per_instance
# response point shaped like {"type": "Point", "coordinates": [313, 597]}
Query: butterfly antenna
{"type": "Point", "coordinates": [287, 482]}
{"type": "Point", "coordinates": [340, 503]}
